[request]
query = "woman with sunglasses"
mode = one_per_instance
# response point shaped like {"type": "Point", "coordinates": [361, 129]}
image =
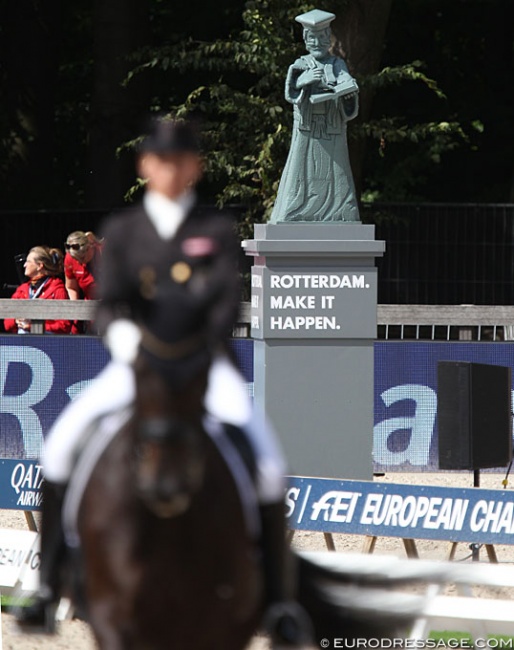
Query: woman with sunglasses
{"type": "Point", "coordinates": [81, 250]}
{"type": "Point", "coordinates": [43, 268]}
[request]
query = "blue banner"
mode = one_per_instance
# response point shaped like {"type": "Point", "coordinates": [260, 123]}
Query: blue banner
{"type": "Point", "coordinates": [40, 374]}
{"type": "Point", "coordinates": [407, 511]}
{"type": "Point", "coordinates": [347, 507]}
{"type": "Point", "coordinates": [20, 484]}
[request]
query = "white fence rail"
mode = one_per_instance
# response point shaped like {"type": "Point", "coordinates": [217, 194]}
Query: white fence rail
{"type": "Point", "coordinates": [381, 584]}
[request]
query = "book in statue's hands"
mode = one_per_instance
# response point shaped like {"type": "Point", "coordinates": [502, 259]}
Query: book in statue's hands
{"type": "Point", "coordinates": [345, 87]}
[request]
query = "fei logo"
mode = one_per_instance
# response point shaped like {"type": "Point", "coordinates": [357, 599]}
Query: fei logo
{"type": "Point", "coordinates": [336, 506]}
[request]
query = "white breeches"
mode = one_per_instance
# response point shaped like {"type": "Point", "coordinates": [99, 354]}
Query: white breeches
{"type": "Point", "coordinates": [226, 400]}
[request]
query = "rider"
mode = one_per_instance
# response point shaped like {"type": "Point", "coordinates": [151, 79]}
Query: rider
{"type": "Point", "coordinates": [167, 236]}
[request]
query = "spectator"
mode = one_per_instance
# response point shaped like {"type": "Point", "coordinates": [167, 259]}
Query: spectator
{"type": "Point", "coordinates": [81, 250]}
{"type": "Point", "coordinates": [43, 267]}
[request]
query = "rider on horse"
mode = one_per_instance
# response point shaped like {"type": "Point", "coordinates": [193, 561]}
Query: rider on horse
{"type": "Point", "coordinates": [166, 237]}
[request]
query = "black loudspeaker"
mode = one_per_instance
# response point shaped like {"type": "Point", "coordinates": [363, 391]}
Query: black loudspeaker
{"type": "Point", "coordinates": [474, 415]}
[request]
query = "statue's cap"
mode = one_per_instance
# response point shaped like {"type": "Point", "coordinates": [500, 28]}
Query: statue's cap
{"type": "Point", "coordinates": [164, 135]}
{"type": "Point", "coordinates": [315, 19]}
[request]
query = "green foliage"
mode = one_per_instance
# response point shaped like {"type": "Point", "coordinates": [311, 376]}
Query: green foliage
{"type": "Point", "coordinates": [134, 192]}
{"type": "Point", "coordinates": [247, 121]}
{"type": "Point", "coordinates": [418, 148]}
{"type": "Point", "coordinates": [408, 148]}
{"type": "Point", "coordinates": [396, 75]}
{"type": "Point", "coordinates": [236, 83]}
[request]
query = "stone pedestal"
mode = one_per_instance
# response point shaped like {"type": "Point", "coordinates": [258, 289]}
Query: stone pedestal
{"type": "Point", "coordinates": [313, 319]}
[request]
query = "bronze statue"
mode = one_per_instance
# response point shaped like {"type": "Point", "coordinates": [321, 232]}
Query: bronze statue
{"type": "Point", "coordinates": [317, 182]}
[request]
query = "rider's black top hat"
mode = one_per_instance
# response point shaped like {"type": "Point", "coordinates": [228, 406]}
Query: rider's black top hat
{"type": "Point", "coordinates": [165, 135]}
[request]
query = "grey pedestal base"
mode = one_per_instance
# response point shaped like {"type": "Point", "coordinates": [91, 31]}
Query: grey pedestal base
{"type": "Point", "coordinates": [314, 322]}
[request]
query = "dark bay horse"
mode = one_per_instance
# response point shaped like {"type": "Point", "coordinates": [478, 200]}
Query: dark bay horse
{"type": "Point", "coordinates": [169, 562]}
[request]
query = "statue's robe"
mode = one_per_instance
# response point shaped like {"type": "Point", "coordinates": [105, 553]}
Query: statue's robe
{"type": "Point", "coordinates": [317, 182]}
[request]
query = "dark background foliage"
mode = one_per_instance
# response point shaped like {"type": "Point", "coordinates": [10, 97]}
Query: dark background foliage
{"type": "Point", "coordinates": [77, 78]}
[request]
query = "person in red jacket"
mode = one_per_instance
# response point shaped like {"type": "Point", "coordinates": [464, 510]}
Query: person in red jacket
{"type": "Point", "coordinates": [43, 268]}
{"type": "Point", "coordinates": [81, 250]}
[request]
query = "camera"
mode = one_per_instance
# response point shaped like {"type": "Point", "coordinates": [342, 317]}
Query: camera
{"type": "Point", "coordinates": [19, 261]}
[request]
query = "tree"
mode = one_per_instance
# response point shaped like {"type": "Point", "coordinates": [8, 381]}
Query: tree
{"type": "Point", "coordinates": [64, 112]}
{"type": "Point", "coordinates": [248, 122]}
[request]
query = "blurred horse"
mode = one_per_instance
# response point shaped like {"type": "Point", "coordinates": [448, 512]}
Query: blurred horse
{"type": "Point", "coordinates": [169, 557]}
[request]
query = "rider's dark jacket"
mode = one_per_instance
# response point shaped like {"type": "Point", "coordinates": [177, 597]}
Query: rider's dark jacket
{"type": "Point", "coordinates": [176, 288]}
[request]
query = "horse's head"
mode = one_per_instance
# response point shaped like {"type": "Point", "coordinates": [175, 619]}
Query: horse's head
{"type": "Point", "coordinates": [170, 448]}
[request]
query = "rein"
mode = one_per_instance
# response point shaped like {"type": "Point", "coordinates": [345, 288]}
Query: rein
{"type": "Point", "coordinates": [170, 351]}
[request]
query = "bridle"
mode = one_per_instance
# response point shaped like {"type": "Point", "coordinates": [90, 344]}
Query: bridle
{"type": "Point", "coordinates": [165, 351]}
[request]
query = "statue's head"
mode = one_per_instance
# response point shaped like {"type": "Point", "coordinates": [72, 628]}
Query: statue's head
{"type": "Point", "coordinates": [316, 31]}
{"type": "Point", "coordinates": [317, 42]}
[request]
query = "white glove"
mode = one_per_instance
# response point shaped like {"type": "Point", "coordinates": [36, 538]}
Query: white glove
{"type": "Point", "coordinates": [122, 338]}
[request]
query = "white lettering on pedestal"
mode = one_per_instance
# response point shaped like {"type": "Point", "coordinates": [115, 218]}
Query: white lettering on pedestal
{"type": "Point", "coordinates": [304, 323]}
{"type": "Point", "coordinates": [321, 281]}
{"type": "Point", "coordinates": [293, 302]}
{"type": "Point", "coordinates": [317, 300]}
{"type": "Point", "coordinates": [327, 302]}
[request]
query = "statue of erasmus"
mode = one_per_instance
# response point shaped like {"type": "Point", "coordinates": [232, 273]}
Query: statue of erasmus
{"type": "Point", "coordinates": [317, 183]}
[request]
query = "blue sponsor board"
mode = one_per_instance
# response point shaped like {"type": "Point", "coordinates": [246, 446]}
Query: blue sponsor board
{"type": "Point", "coordinates": [407, 511]}
{"type": "Point", "coordinates": [40, 374]}
{"type": "Point", "coordinates": [348, 507]}
{"type": "Point", "coordinates": [38, 377]}
{"type": "Point", "coordinates": [20, 484]}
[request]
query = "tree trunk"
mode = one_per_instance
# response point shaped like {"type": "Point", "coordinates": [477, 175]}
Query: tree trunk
{"type": "Point", "coordinates": [359, 34]}
{"type": "Point", "coordinates": [120, 27]}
